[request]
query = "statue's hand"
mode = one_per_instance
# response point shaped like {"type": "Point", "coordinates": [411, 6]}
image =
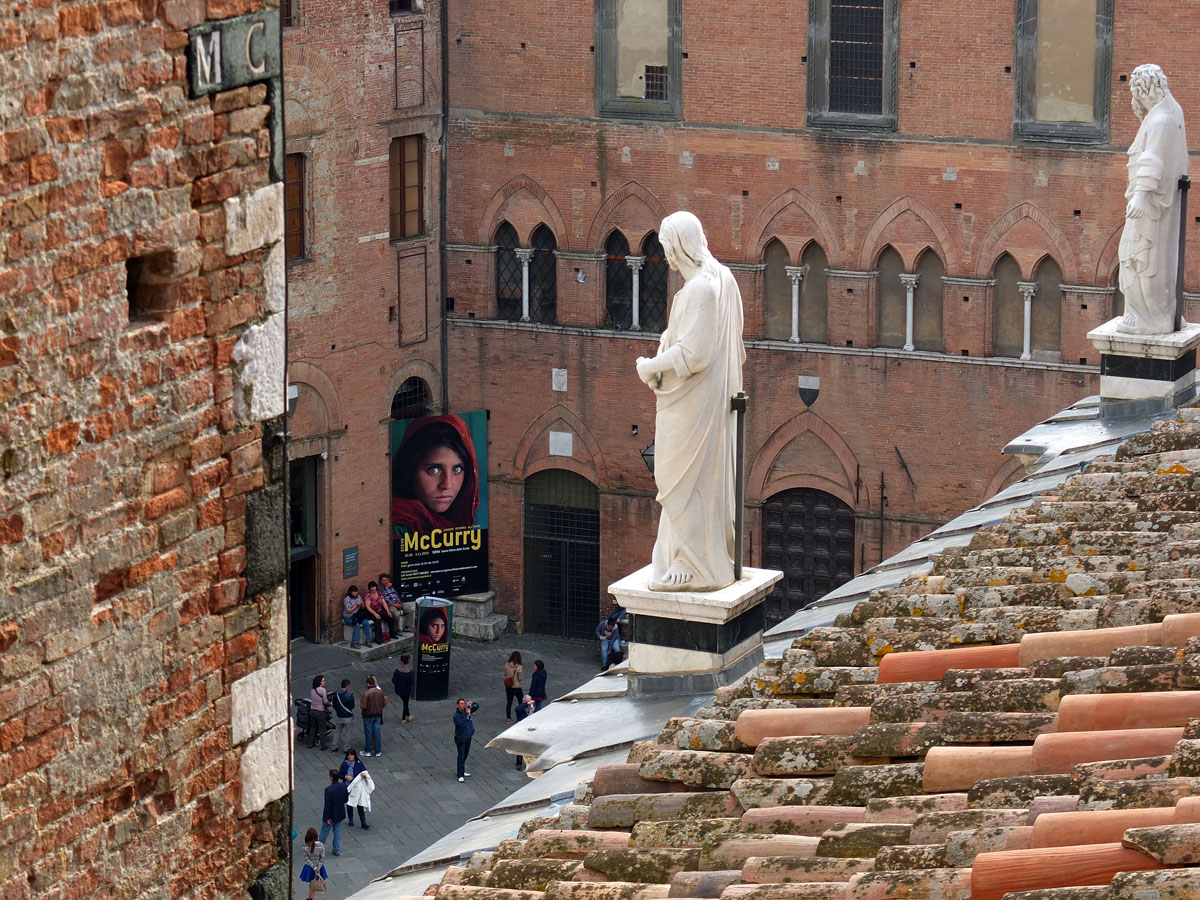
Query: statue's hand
{"type": "Point", "coordinates": [646, 371]}
{"type": "Point", "coordinates": [1138, 206]}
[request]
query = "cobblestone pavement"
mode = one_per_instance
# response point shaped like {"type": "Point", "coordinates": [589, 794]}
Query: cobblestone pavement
{"type": "Point", "coordinates": [417, 798]}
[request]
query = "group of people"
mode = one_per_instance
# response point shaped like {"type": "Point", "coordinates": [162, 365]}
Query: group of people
{"type": "Point", "coordinates": [334, 713]}
{"type": "Point", "coordinates": [350, 786]}
{"type": "Point", "coordinates": [379, 615]}
{"type": "Point", "coordinates": [349, 789]}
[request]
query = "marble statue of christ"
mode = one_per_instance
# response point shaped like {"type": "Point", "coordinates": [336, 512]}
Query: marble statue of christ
{"type": "Point", "coordinates": [696, 371]}
{"type": "Point", "coordinates": [1149, 249]}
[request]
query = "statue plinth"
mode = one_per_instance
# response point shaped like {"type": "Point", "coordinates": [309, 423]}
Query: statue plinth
{"type": "Point", "coordinates": [693, 641]}
{"type": "Point", "coordinates": [1145, 373]}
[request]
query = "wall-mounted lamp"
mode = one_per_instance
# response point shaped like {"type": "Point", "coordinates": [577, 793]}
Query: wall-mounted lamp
{"type": "Point", "coordinates": [633, 430]}
{"type": "Point", "coordinates": [580, 276]}
{"type": "Point", "coordinates": [648, 457]}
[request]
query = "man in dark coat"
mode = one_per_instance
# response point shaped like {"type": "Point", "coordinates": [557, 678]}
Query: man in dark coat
{"type": "Point", "coordinates": [464, 730]}
{"type": "Point", "coordinates": [337, 796]}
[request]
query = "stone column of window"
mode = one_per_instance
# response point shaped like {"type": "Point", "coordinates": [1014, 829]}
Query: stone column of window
{"type": "Point", "coordinates": [910, 285]}
{"type": "Point", "coordinates": [635, 264]}
{"type": "Point", "coordinates": [524, 254]}
{"type": "Point", "coordinates": [796, 273]}
{"type": "Point", "coordinates": [1027, 289]}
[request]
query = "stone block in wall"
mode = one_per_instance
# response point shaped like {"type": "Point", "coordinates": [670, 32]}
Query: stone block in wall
{"type": "Point", "coordinates": [266, 539]}
{"type": "Point", "coordinates": [260, 700]}
{"type": "Point", "coordinates": [275, 277]}
{"type": "Point", "coordinates": [264, 772]}
{"type": "Point", "coordinates": [277, 625]}
{"type": "Point", "coordinates": [260, 368]}
{"type": "Point", "coordinates": [254, 221]}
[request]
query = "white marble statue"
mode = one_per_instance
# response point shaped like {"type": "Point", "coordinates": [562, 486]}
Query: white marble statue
{"type": "Point", "coordinates": [1149, 250]}
{"type": "Point", "coordinates": [697, 370]}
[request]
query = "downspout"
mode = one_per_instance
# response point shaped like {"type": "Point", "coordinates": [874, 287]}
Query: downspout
{"type": "Point", "coordinates": [445, 338]}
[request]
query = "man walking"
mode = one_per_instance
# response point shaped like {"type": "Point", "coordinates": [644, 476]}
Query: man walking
{"type": "Point", "coordinates": [464, 730]}
{"type": "Point", "coordinates": [336, 797]}
{"type": "Point", "coordinates": [343, 707]}
{"type": "Point", "coordinates": [373, 702]}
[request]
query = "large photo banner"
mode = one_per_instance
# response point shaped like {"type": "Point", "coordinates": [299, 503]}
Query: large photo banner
{"type": "Point", "coordinates": [439, 505]}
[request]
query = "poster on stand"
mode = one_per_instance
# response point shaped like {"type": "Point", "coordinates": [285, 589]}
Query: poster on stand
{"type": "Point", "coordinates": [434, 620]}
{"type": "Point", "coordinates": [439, 505]}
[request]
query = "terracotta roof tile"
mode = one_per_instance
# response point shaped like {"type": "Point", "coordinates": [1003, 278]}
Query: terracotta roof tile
{"type": "Point", "coordinates": [995, 874]}
{"type": "Point", "coordinates": [1041, 723]}
{"type": "Point", "coordinates": [703, 884]}
{"type": "Point", "coordinates": [758, 792]}
{"type": "Point", "coordinates": [945, 884]}
{"type": "Point", "coordinates": [604, 890]}
{"type": "Point", "coordinates": [682, 832]}
{"type": "Point", "coordinates": [861, 840]}
{"type": "Point", "coordinates": [962, 847]}
{"type": "Point", "coordinates": [812, 891]}
{"type": "Point", "coordinates": [644, 864]}
{"type": "Point", "coordinates": [1178, 884]}
{"type": "Point", "coordinates": [909, 808]}
{"type": "Point", "coordinates": [912, 856]}
{"type": "Point", "coordinates": [807, 820]}
{"type": "Point", "coordinates": [727, 851]}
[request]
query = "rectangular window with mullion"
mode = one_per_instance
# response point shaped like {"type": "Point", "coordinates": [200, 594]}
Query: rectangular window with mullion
{"type": "Point", "coordinates": [853, 51]}
{"type": "Point", "coordinates": [406, 171]}
{"type": "Point", "coordinates": [639, 58]}
{"type": "Point", "coordinates": [293, 207]}
{"type": "Point", "coordinates": [1063, 62]}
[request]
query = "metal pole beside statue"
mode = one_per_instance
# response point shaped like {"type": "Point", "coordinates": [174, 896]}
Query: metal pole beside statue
{"type": "Point", "coordinates": [1184, 184]}
{"type": "Point", "coordinates": [738, 403]}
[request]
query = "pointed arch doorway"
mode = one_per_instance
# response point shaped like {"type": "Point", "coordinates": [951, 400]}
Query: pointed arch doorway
{"type": "Point", "coordinates": [562, 554]}
{"type": "Point", "coordinates": [809, 536]}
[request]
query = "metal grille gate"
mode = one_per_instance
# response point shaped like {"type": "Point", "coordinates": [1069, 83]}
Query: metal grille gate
{"type": "Point", "coordinates": [809, 536]}
{"type": "Point", "coordinates": [562, 554]}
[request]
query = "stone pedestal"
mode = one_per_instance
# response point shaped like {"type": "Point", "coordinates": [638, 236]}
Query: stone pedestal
{"type": "Point", "coordinates": [1145, 373]}
{"type": "Point", "coordinates": [693, 641]}
{"type": "Point", "coordinates": [476, 619]}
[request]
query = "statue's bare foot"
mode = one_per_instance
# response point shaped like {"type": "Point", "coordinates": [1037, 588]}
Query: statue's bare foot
{"type": "Point", "coordinates": [1129, 321]}
{"type": "Point", "coordinates": [673, 579]}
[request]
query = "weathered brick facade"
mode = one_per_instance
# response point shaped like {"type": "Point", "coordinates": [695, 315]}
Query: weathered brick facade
{"type": "Point", "coordinates": [363, 313]}
{"type": "Point", "coordinates": [143, 736]}
{"type": "Point", "coordinates": [904, 439]}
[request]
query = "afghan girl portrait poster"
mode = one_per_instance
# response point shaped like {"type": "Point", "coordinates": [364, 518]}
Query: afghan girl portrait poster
{"type": "Point", "coordinates": [439, 505]}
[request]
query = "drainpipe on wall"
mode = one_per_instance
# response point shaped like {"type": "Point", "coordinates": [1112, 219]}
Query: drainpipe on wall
{"type": "Point", "coordinates": [445, 338]}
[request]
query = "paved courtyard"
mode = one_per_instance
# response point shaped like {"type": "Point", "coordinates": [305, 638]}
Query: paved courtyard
{"type": "Point", "coordinates": [417, 798]}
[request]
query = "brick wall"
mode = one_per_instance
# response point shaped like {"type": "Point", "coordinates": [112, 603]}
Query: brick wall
{"type": "Point", "coordinates": [363, 313]}
{"type": "Point", "coordinates": [527, 147]}
{"type": "Point", "coordinates": [524, 145]}
{"type": "Point", "coordinates": [141, 496]}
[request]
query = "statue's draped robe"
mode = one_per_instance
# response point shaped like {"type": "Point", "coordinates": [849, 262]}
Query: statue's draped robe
{"type": "Point", "coordinates": [695, 430]}
{"type": "Point", "coordinates": [1149, 249]}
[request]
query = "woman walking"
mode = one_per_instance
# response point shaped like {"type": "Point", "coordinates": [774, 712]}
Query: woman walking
{"type": "Point", "coordinates": [319, 713]}
{"type": "Point", "coordinates": [512, 684]}
{"type": "Point", "coordinates": [402, 681]}
{"type": "Point", "coordinates": [313, 874]}
{"type": "Point", "coordinates": [350, 769]}
{"type": "Point", "coordinates": [360, 796]}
